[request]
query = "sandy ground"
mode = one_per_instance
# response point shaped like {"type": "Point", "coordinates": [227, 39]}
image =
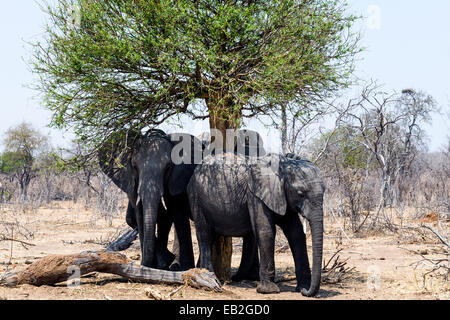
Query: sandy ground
{"type": "Point", "coordinates": [383, 266]}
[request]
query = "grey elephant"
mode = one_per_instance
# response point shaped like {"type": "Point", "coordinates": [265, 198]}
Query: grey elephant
{"type": "Point", "coordinates": [235, 196]}
{"type": "Point", "coordinates": [174, 206]}
{"type": "Point", "coordinates": [245, 142]}
{"type": "Point", "coordinates": [142, 166]}
{"type": "Point", "coordinates": [248, 143]}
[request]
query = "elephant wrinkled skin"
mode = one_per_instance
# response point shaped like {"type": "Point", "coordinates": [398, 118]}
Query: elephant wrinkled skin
{"type": "Point", "coordinates": [237, 196]}
{"type": "Point", "coordinates": [142, 166]}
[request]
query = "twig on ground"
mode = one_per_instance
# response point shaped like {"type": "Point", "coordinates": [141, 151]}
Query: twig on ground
{"type": "Point", "coordinates": [437, 234]}
{"type": "Point", "coordinates": [23, 243]}
{"type": "Point", "coordinates": [338, 271]}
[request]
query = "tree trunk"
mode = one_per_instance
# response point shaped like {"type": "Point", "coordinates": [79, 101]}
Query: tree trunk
{"type": "Point", "coordinates": [284, 138]}
{"type": "Point", "coordinates": [22, 192]}
{"type": "Point", "coordinates": [222, 116]}
{"type": "Point", "coordinates": [24, 181]}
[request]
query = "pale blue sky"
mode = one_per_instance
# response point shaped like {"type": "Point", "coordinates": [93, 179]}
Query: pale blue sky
{"type": "Point", "coordinates": [410, 49]}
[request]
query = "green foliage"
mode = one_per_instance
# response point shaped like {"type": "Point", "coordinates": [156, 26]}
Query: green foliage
{"type": "Point", "coordinates": [51, 163]}
{"type": "Point", "coordinates": [24, 140]}
{"type": "Point", "coordinates": [11, 161]}
{"type": "Point", "coordinates": [75, 159]}
{"type": "Point", "coordinates": [135, 64]}
{"type": "Point", "coordinates": [23, 144]}
{"type": "Point", "coordinates": [344, 147]}
{"type": "Point", "coordinates": [355, 156]}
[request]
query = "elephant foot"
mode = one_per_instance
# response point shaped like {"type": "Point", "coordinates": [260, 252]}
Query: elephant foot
{"type": "Point", "coordinates": [240, 277]}
{"type": "Point", "coordinates": [163, 257]}
{"type": "Point", "coordinates": [303, 283]}
{"type": "Point", "coordinates": [302, 286]}
{"type": "Point", "coordinates": [266, 287]}
{"type": "Point", "coordinates": [163, 262]}
{"type": "Point", "coordinates": [177, 266]}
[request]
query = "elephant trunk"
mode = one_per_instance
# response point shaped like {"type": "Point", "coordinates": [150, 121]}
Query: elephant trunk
{"type": "Point", "coordinates": [317, 249]}
{"type": "Point", "coordinates": [149, 241]}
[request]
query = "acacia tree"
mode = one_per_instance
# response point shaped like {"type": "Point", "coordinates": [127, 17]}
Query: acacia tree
{"type": "Point", "coordinates": [135, 64]}
{"type": "Point", "coordinates": [23, 144]}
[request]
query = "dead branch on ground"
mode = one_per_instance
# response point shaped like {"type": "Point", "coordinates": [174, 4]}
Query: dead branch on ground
{"type": "Point", "coordinates": [335, 271]}
{"type": "Point", "coordinates": [56, 268]}
{"type": "Point", "coordinates": [439, 263]}
{"type": "Point", "coordinates": [23, 243]}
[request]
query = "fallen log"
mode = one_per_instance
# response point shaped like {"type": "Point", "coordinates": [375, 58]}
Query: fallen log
{"type": "Point", "coordinates": [123, 242]}
{"type": "Point", "coordinates": [59, 268]}
{"type": "Point", "coordinates": [164, 257]}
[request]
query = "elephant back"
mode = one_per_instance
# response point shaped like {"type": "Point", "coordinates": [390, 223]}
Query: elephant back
{"type": "Point", "coordinates": [247, 143]}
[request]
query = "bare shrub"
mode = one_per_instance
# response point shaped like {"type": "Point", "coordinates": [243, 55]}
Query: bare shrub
{"type": "Point", "coordinates": [434, 261]}
{"type": "Point", "coordinates": [110, 199]}
{"type": "Point", "coordinates": [335, 270]}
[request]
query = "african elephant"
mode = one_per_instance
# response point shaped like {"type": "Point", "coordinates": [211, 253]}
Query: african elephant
{"type": "Point", "coordinates": [143, 167]}
{"type": "Point", "coordinates": [249, 266]}
{"type": "Point", "coordinates": [248, 143]}
{"type": "Point", "coordinates": [235, 196]}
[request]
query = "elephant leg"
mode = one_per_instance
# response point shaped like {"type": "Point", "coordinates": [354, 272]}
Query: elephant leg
{"type": "Point", "coordinates": [264, 230]}
{"type": "Point", "coordinates": [249, 267]}
{"type": "Point", "coordinates": [163, 257]}
{"type": "Point", "coordinates": [131, 216]}
{"type": "Point", "coordinates": [204, 235]}
{"type": "Point", "coordinates": [175, 266]}
{"type": "Point", "coordinates": [139, 223]}
{"type": "Point", "coordinates": [205, 238]}
{"type": "Point", "coordinates": [293, 230]}
{"type": "Point", "coordinates": [184, 253]}
{"type": "Point", "coordinates": [150, 203]}
{"type": "Point", "coordinates": [165, 220]}
{"type": "Point", "coordinates": [183, 240]}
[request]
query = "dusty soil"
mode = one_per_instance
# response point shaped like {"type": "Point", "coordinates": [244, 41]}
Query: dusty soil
{"type": "Point", "coordinates": [383, 266]}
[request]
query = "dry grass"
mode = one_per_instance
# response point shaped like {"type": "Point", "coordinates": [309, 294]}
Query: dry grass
{"type": "Point", "coordinates": [66, 227]}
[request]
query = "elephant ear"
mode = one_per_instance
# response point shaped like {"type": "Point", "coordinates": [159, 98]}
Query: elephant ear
{"type": "Point", "coordinates": [119, 170]}
{"type": "Point", "coordinates": [266, 183]}
{"type": "Point", "coordinates": [186, 154]}
{"type": "Point", "coordinates": [115, 157]}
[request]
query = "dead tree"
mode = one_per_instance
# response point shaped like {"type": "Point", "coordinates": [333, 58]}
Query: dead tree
{"type": "Point", "coordinates": [388, 126]}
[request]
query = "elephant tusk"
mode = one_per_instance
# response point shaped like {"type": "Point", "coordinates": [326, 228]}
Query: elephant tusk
{"type": "Point", "coordinates": [303, 220]}
{"type": "Point", "coordinates": [163, 203]}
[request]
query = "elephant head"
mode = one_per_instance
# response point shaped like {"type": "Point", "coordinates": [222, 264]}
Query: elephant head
{"type": "Point", "coordinates": [286, 184]}
{"type": "Point", "coordinates": [249, 143]}
{"type": "Point", "coordinates": [246, 142]}
{"type": "Point", "coordinates": [121, 158]}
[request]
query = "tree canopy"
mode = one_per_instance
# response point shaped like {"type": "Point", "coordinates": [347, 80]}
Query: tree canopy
{"type": "Point", "coordinates": [23, 144]}
{"type": "Point", "coordinates": [138, 63]}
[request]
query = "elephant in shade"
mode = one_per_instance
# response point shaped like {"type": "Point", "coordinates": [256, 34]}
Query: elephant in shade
{"type": "Point", "coordinates": [237, 196]}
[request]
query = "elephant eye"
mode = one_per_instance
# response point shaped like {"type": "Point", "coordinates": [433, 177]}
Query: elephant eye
{"type": "Point", "coordinates": [301, 194]}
